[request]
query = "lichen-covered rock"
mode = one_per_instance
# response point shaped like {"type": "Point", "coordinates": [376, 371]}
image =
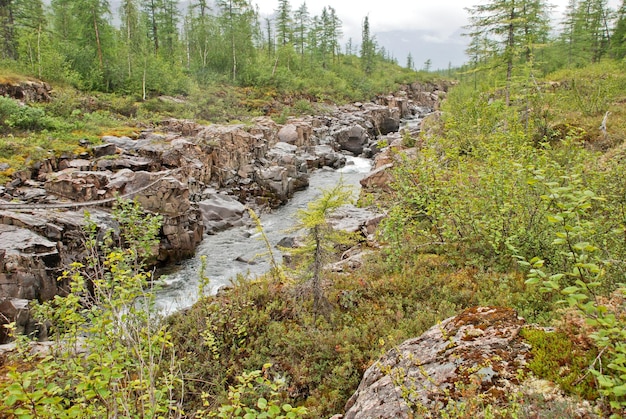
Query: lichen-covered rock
{"type": "Point", "coordinates": [478, 349]}
{"type": "Point", "coordinates": [463, 364]}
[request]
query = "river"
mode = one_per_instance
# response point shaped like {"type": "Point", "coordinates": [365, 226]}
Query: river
{"type": "Point", "coordinates": [180, 288]}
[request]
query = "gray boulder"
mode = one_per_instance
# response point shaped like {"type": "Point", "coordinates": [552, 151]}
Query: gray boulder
{"type": "Point", "coordinates": [220, 212]}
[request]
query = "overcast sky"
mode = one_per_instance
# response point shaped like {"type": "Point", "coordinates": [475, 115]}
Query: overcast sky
{"type": "Point", "coordinates": [429, 29]}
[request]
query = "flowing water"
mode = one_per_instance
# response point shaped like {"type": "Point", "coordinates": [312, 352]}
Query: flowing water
{"type": "Point", "coordinates": [239, 250]}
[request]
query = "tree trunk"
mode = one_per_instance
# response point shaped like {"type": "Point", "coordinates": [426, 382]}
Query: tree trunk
{"type": "Point", "coordinates": [509, 60]}
{"type": "Point", "coordinates": [317, 269]}
{"type": "Point", "coordinates": [98, 44]}
{"type": "Point", "coordinates": [154, 27]}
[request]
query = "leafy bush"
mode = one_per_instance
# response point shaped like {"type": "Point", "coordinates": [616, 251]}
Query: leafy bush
{"type": "Point", "coordinates": [106, 359]}
{"type": "Point", "coordinates": [16, 116]}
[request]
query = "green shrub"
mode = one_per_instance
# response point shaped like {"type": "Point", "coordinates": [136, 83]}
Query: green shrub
{"type": "Point", "coordinates": [22, 117]}
{"type": "Point", "coordinates": [106, 359]}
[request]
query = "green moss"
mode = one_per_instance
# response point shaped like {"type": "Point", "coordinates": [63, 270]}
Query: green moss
{"type": "Point", "coordinates": [555, 357]}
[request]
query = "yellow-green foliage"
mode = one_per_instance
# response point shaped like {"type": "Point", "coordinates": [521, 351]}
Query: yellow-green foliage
{"type": "Point", "coordinates": [107, 345]}
{"type": "Point", "coordinates": [555, 357]}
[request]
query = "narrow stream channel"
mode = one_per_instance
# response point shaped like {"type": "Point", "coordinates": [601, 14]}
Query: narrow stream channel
{"type": "Point", "coordinates": [244, 243]}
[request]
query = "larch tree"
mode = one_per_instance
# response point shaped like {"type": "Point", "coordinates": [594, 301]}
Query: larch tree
{"type": "Point", "coordinates": [169, 17]}
{"type": "Point", "coordinates": [332, 32]}
{"type": "Point", "coordinates": [302, 20]}
{"type": "Point", "coordinates": [131, 35]}
{"type": "Point", "coordinates": [284, 23]}
{"type": "Point", "coordinates": [427, 65]}
{"type": "Point", "coordinates": [237, 19]}
{"type": "Point", "coordinates": [204, 43]}
{"type": "Point", "coordinates": [86, 39]}
{"type": "Point", "coordinates": [321, 240]}
{"type": "Point", "coordinates": [30, 38]}
{"type": "Point", "coordinates": [7, 23]}
{"type": "Point", "coordinates": [586, 31]}
{"type": "Point", "coordinates": [618, 38]}
{"type": "Point", "coordinates": [512, 24]}
{"type": "Point", "coordinates": [151, 11]}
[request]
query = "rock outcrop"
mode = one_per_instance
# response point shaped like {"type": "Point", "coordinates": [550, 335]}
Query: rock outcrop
{"type": "Point", "coordinates": [26, 90]}
{"type": "Point", "coordinates": [478, 347]}
{"type": "Point", "coordinates": [477, 353]}
{"type": "Point", "coordinates": [198, 177]}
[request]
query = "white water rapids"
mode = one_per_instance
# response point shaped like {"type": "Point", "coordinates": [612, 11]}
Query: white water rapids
{"type": "Point", "coordinates": [244, 243]}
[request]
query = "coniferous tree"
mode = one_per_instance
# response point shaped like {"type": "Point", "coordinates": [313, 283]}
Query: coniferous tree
{"type": "Point", "coordinates": [349, 47]}
{"type": "Point", "coordinates": [324, 42]}
{"type": "Point", "coordinates": [593, 17]}
{"type": "Point", "coordinates": [569, 33]}
{"type": "Point", "coordinates": [586, 32]}
{"type": "Point", "coordinates": [618, 38]}
{"type": "Point", "coordinates": [313, 37]}
{"type": "Point", "coordinates": [368, 47]}
{"type": "Point", "coordinates": [7, 23]}
{"type": "Point", "coordinates": [131, 33]}
{"type": "Point", "coordinates": [269, 37]}
{"type": "Point", "coordinates": [237, 20]}
{"type": "Point", "coordinates": [151, 10]}
{"type": "Point", "coordinates": [85, 38]}
{"type": "Point", "coordinates": [29, 34]}
{"type": "Point", "coordinates": [169, 17]}
{"type": "Point", "coordinates": [512, 24]}
{"type": "Point", "coordinates": [332, 31]}
{"type": "Point", "coordinates": [204, 44]}
{"type": "Point", "coordinates": [427, 65]}
{"type": "Point", "coordinates": [284, 22]}
{"type": "Point", "coordinates": [535, 26]}
{"type": "Point", "coordinates": [301, 23]}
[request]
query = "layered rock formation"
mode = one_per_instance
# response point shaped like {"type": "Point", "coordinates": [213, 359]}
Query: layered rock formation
{"type": "Point", "coordinates": [199, 178]}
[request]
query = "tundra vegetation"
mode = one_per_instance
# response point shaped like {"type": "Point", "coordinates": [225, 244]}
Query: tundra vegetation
{"type": "Point", "coordinates": [516, 198]}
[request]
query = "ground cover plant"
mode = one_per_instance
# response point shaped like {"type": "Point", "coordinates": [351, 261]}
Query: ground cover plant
{"type": "Point", "coordinates": [515, 197]}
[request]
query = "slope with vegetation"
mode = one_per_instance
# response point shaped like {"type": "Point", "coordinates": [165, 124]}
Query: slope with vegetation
{"type": "Point", "coordinates": [515, 198]}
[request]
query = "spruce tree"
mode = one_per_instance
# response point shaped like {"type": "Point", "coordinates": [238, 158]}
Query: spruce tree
{"type": "Point", "coordinates": [368, 47]}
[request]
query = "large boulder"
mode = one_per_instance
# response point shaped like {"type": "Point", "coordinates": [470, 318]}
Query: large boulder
{"type": "Point", "coordinates": [352, 138]}
{"type": "Point", "coordinates": [378, 180]}
{"type": "Point", "coordinates": [468, 361]}
{"type": "Point", "coordinates": [354, 219]}
{"type": "Point", "coordinates": [220, 212]}
{"type": "Point", "coordinates": [480, 347]}
{"type": "Point", "coordinates": [25, 262]}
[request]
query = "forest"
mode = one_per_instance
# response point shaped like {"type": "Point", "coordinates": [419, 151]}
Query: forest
{"type": "Point", "coordinates": [157, 48]}
{"type": "Point", "coordinates": [512, 195]}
